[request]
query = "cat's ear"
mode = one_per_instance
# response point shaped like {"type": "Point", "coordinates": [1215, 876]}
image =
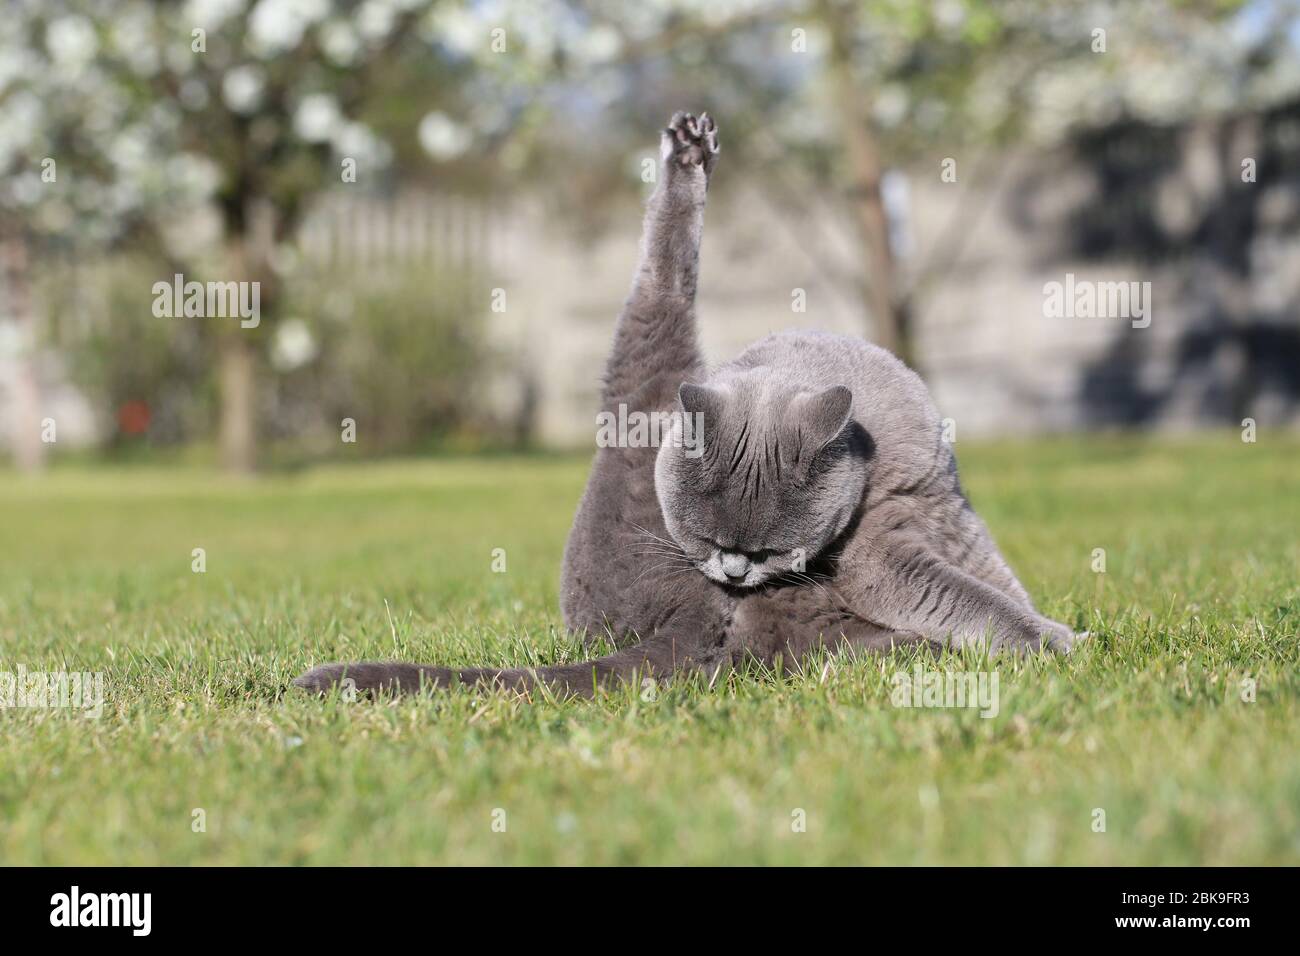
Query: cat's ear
{"type": "Point", "coordinates": [703, 407]}
{"type": "Point", "coordinates": [702, 400]}
{"type": "Point", "coordinates": [820, 416]}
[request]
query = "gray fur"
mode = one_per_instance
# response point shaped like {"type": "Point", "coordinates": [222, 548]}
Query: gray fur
{"type": "Point", "coordinates": [824, 510]}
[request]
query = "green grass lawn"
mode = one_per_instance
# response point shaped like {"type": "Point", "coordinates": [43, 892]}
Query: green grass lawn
{"type": "Point", "coordinates": [1146, 722]}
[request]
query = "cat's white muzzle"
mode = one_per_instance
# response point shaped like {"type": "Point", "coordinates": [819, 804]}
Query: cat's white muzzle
{"type": "Point", "coordinates": [734, 570]}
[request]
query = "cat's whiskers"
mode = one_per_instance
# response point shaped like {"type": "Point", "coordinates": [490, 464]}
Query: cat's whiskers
{"type": "Point", "coordinates": [665, 551]}
{"type": "Point", "coordinates": [804, 578]}
{"type": "Point", "coordinates": [650, 534]}
{"type": "Point", "coordinates": [670, 565]}
{"type": "Point", "coordinates": [650, 545]}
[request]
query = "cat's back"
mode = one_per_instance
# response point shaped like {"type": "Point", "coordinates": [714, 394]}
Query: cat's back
{"type": "Point", "coordinates": [886, 393]}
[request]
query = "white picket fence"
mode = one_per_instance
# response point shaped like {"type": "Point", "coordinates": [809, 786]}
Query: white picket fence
{"type": "Point", "coordinates": [357, 232]}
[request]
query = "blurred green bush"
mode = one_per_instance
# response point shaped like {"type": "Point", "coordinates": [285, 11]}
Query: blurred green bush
{"type": "Point", "coordinates": [398, 349]}
{"type": "Point", "coordinates": [146, 379]}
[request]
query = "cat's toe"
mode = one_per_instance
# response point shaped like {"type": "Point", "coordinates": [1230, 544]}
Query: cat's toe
{"type": "Point", "coordinates": [709, 133]}
{"type": "Point", "coordinates": [691, 141]}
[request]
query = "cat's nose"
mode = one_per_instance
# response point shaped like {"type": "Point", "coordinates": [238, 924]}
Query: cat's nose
{"type": "Point", "coordinates": [734, 565]}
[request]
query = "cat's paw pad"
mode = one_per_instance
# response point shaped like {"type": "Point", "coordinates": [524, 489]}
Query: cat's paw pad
{"type": "Point", "coordinates": [690, 141]}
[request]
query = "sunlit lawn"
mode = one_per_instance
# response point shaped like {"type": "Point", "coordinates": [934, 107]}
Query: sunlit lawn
{"type": "Point", "coordinates": [1147, 723]}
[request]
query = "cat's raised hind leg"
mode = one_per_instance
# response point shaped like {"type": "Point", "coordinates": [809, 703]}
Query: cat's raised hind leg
{"type": "Point", "coordinates": [655, 344]}
{"type": "Point", "coordinates": [620, 564]}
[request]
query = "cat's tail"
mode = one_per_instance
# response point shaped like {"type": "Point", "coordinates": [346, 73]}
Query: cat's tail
{"type": "Point", "coordinates": [657, 658]}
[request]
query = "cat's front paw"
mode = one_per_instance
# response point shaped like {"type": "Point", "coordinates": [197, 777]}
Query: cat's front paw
{"type": "Point", "coordinates": [689, 141]}
{"type": "Point", "coordinates": [1064, 640]}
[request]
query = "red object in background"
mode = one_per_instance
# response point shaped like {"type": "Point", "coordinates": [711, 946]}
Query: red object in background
{"type": "Point", "coordinates": [133, 418]}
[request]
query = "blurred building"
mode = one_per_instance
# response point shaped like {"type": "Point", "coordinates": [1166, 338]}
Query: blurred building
{"type": "Point", "coordinates": [1205, 216]}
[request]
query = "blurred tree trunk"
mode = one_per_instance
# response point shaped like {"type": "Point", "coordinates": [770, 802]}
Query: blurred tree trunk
{"type": "Point", "coordinates": [253, 225]}
{"type": "Point", "coordinates": [237, 355]}
{"type": "Point", "coordinates": [28, 448]}
{"type": "Point", "coordinates": [882, 285]}
{"type": "Point", "coordinates": [237, 384]}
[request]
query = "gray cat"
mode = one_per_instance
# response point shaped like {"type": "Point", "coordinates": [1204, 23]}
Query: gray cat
{"type": "Point", "coordinates": [815, 505]}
